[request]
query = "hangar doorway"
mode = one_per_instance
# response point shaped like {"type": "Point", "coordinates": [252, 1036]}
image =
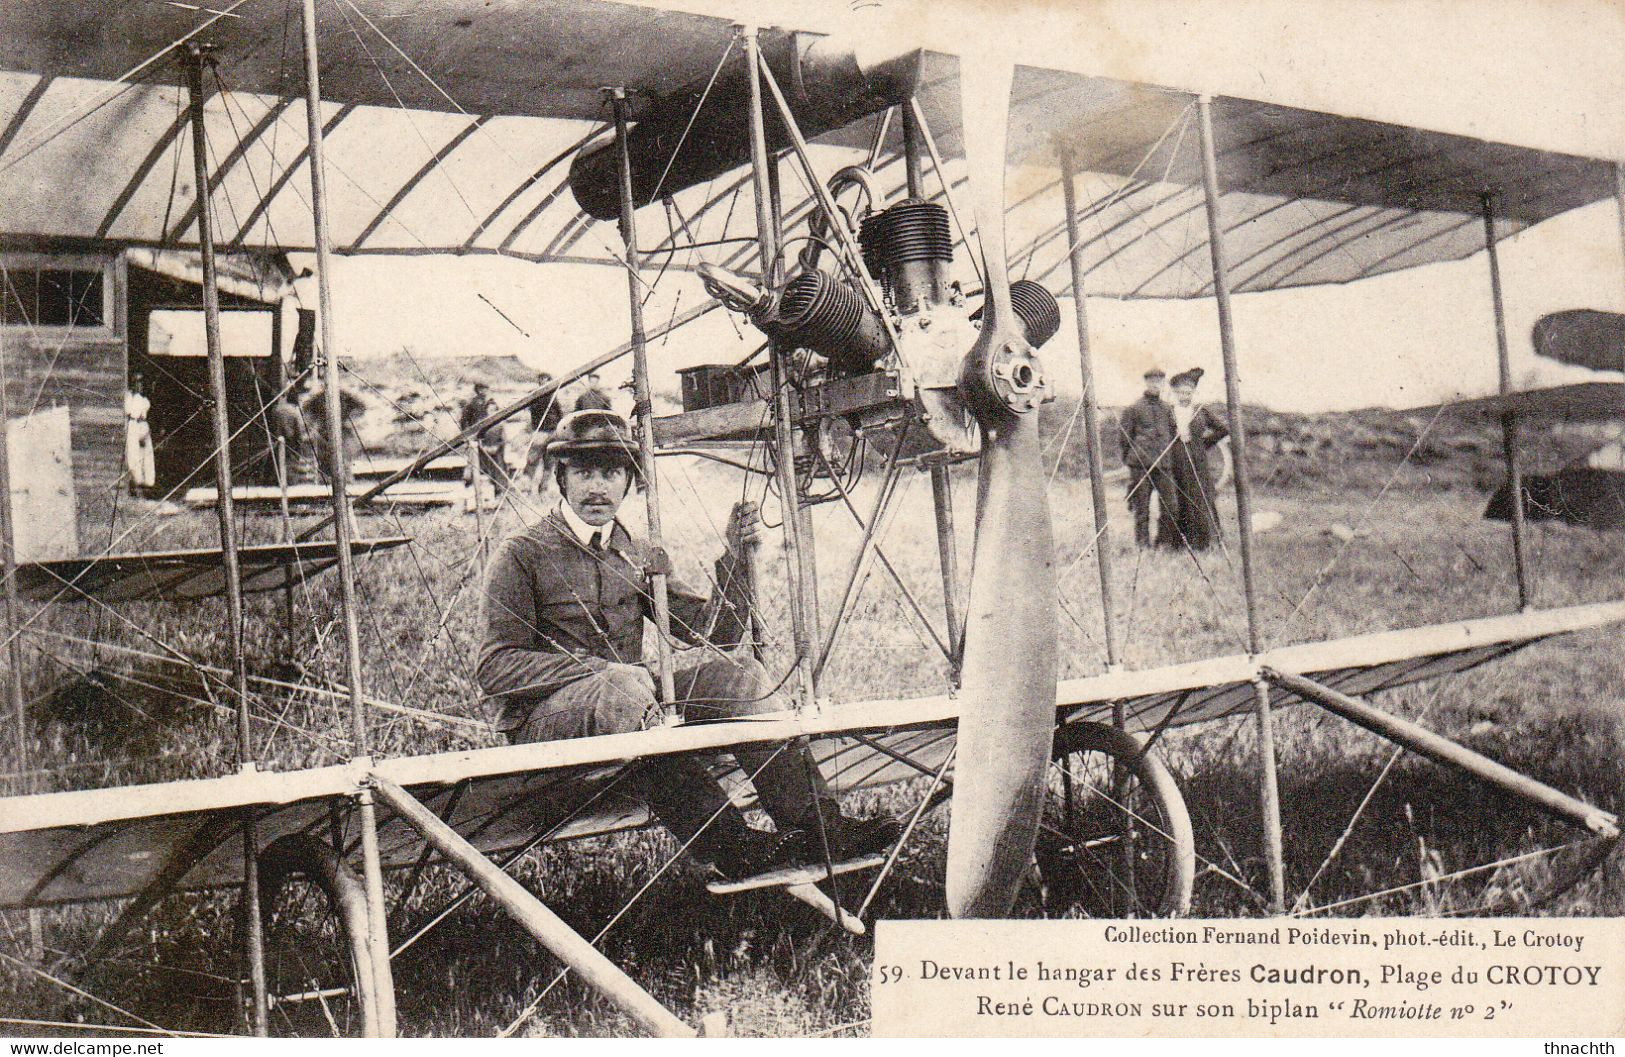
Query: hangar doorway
{"type": "Point", "coordinates": [167, 350]}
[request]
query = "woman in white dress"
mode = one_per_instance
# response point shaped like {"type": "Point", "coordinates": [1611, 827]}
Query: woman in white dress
{"type": "Point", "coordinates": [138, 437]}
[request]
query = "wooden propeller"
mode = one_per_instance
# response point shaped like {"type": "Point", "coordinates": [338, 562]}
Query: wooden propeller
{"type": "Point", "coordinates": [1009, 668]}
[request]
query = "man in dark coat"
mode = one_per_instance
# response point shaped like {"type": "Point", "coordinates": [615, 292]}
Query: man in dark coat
{"type": "Point", "coordinates": [593, 397]}
{"type": "Point", "coordinates": [1145, 432]}
{"type": "Point", "coordinates": [288, 426]}
{"type": "Point", "coordinates": [1196, 431]}
{"type": "Point", "coordinates": [492, 447]}
{"type": "Point", "coordinates": [562, 657]}
{"type": "Point", "coordinates": [545, 412]}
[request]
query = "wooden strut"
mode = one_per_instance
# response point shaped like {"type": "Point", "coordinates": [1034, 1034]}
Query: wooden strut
{"type": "Point", "coordinates": [8, 563]}
{"type": "Point", "coordinates": [533, 915]}
{"type": "Point", "coordinates": [801, 512]}
{"type": "Point", "coordinates": [942, 507]}
{"type": "Point", "coordinates": [1425, 742]}
{"type": "Point", "coordinates": [942, 488]}
{"type": "Point", "coordinates": [1619, 203]}
{"type": "Point", "coordinates": [338, 472]}
{"type": "Point", "coordinates": [279, 463]}
{"type": "Point", "coordinates": [801, 620]}
{"type": "Point", "coordinates": [1122, 775]}
{"type": "Point", "coordinates": [476, 488]}
{"type": "Point", "coordinates": [337, 468]}
{"type": "Point", "coordinates": [381, 1022]}
{"type": "Point", "coordinates": [8, 627]}
{"type": "Point", "coordinates": [644, 401]}
{"type": "Point", "coordinates": [1509, 414]}
{"type": "Point", "coordinates": [1091, 408]}
{"type": "Point", "coordinates": [1269, 795]}
{"type": "Point", "coordinates": [280, 454]}
{"type": "Point", "coordinates": [807, 553]}
{"type": "Point", "coordinates": [195, 56]}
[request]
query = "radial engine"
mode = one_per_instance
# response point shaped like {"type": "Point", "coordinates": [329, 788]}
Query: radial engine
{"type": "Point", "coordinates": [924, 326]}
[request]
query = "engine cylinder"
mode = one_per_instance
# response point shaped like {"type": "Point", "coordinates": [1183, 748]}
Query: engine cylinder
{"type": "Point", "coordinates": [821, 313]}
{"type": "Point", "coordinates": [1037, 309]}
{"type": "Point", "coordinates": [908, 248]}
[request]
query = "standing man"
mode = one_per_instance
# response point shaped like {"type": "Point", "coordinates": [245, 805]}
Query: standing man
{"type": "Point", "coordinates": [1145, 433]}
{"type": "Point", "coordinates": [562, 657]}
{"type": "Point", "coordinates": [593, 397]}
{"type": "Point", "coordinates": [493, 456]}
{"type": "Point", "coordinates": [545, 412]}
{"type": "Point", "coordinates": [288, 425]}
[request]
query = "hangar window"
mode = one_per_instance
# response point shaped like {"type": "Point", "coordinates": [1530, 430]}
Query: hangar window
{"type": "Point", "coordinates": [56, 295]}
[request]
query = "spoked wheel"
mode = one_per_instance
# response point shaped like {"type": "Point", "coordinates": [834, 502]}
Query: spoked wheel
{"type": "Point", "coordinates": [315, 918]}
{"type": "Point", "coordinates": [1115, 839]}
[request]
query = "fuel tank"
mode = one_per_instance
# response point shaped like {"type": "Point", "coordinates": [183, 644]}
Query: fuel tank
{"type": "Point", "coordinates": [829, 82]}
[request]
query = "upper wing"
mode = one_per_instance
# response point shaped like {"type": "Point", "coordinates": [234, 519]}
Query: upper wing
{"type": "Point", "coordinates": [539, 58]}
{"type": "Point", "coordinates": [451, 128]}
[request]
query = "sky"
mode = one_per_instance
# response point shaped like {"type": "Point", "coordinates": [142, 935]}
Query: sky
{"type": "Point", "coordinates": [1411, 338]}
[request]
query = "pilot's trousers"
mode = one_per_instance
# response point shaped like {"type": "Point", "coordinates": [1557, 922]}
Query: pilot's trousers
{"type": "Point", "coordinates": [680, 789]}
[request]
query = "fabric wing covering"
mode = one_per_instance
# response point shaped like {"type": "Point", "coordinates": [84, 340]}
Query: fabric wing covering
{"type": "Point", "coordinates": [452, 133]}
{"type": "Point", "coordinates": [103, 844]}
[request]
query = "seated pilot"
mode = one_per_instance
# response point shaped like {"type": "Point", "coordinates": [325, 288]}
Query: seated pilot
{"type": "Point", "coordinates": [562, 657]}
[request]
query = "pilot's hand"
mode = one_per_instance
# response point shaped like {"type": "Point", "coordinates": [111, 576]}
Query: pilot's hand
{"type": "Point", "coordinates": [744, 527]}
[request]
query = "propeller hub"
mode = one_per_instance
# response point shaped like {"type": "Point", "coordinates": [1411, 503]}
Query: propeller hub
{"type": "Point", "coordinates": [1011, 381]}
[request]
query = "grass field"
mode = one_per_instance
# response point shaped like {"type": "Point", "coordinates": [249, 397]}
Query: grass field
{"type": "Point", "coordinates": [1362, 544]}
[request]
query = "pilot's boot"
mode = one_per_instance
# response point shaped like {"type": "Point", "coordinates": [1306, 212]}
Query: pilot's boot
{"type": "Point", "coordinates": [689, 803]}
{"type": "Point", "coordinates": [734, 850]}
{"type": "Point", "coordinates": [848, 837]}
{"type": "Point", "coordinates": [795, 794]}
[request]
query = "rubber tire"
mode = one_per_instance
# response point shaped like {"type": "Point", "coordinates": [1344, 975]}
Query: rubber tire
{"type": "Point", "coordinates": [300, 855]}
{"type": "Point", "coordinates": [1129, 749]}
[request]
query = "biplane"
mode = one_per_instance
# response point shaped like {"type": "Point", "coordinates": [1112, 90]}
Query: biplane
{"type": "Point", "coordinates": [891, 331]}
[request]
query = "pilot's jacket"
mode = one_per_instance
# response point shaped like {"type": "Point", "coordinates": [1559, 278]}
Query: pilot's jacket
{"type": "Point", "coordinates": [562, 649]}
{"type": "Point", "coordinates": [556, 612]}
{"type": "Point", "coordinates": [1145, 432]}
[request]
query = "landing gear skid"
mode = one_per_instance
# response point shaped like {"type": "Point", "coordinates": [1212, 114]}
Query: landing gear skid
{"type": "Point", "coordinates": [801, 883]}
{"type": "Point", "coordinates": [809, 873]}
